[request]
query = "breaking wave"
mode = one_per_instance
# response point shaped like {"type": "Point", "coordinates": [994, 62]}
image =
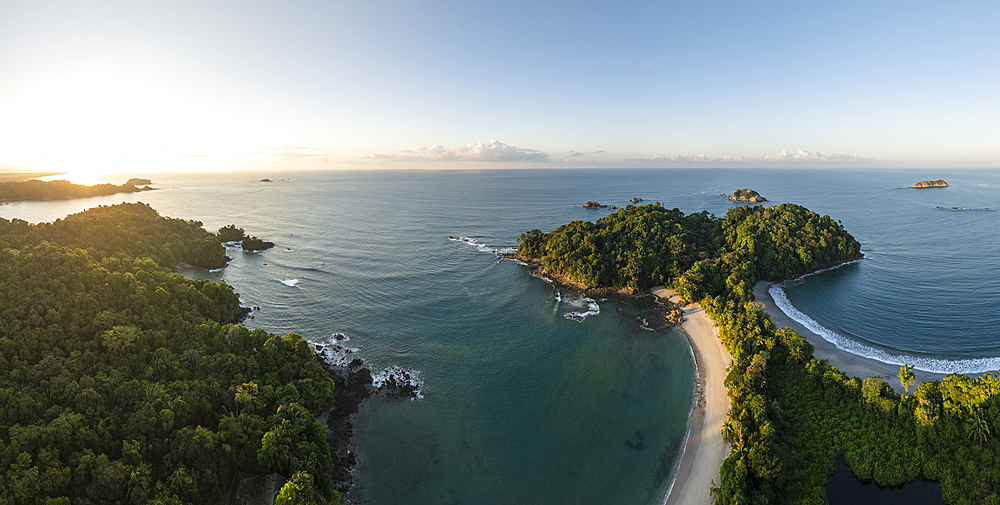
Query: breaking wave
{"type": "Point", "coordinates": [933, 365]}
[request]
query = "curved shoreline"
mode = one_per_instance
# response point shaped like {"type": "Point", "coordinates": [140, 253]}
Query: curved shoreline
{"type": "Point", "coordinates": [704, 449]}
{"type": "Point", "coordinates": [853, 365]}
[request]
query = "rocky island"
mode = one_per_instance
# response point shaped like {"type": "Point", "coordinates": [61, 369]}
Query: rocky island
{"type": "Point", "coordinates": [745, 195]}
{"type": "Point", "coordinates": [254, 244]}
{"type": "Point", "coordinates": [135, 181]}
{"type": "Point", "coordinates": [931, 184]}
{"type": "Point", "coordinates": [248, 243]}
{"type": "Point", "coordinates": [595, 205]}
{"type": "Point", "coordinates": [635, 200]}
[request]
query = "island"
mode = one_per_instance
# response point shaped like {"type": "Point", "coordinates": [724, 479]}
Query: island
{"type": "Point", "coordinates": [931, 184]}
{"type": "Point", "coordinates": [745, 195]}
{"type": "Point", "coordinates": [595, 205]}
{"type": "Point", "coordinates": [788, 415]}
{"type": "Point", "coordinates": [635, 200]}
{"type": "Point", "coordinates": [55, 190]}
{"type": "Point", "coordinates": [266, 180]}
{"type": "Point", "coordinates": [254, 244]}
{"type": "Point", "coordinates": [231, 234]}
{"type": "Point", "coordinates": [135, 181]}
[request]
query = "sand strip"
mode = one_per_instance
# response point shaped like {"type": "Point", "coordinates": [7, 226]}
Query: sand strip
{"type": "Point", "coordinates": [705, 450]}
{"type": "Point", "coordinates": [851, 365]}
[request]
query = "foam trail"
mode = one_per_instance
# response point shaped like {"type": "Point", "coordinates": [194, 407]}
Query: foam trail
{"type": "Point", "coordinates": [496, 251]}
{"type": "Point", "coordinates": [933, 365]}
{"type": "Point", "coordinates": [290, 282]}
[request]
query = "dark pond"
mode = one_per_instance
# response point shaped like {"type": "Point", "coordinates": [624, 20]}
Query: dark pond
{"type": "Point", "coordinates": [844, 488]}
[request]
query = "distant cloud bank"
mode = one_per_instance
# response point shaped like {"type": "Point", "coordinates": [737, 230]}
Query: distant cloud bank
{"type": "Point", "coordinates": [782, 156]}
{"type": "Point", "coordinates": [492, 151]}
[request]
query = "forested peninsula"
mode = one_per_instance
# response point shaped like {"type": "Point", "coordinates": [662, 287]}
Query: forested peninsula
{"type": "Point", "coordinates": [124, 382]}
{"type": "Point", "coordinates": [791, 416]}
{"type": "Point", "coordinates": [52, 190]}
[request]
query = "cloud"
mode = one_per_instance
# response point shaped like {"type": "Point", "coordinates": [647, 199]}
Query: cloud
{"type": "Point", "coordinates": [783, 156]}
{"type": "Point", "coordinates": [574, 153]}
{"type": "Point", "coordinates": [492, 151]}
{"type": "Point", "coordinates": [291, 148]}
{"type": "Point", "coordinates": [193, 155]}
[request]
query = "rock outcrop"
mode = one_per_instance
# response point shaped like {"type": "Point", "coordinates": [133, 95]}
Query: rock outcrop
{"type": "Point", "coordinates": [595, 205]}
{"type": "Point", "coordinates": [635, 200]}
{"type": "Point", "coordinates": [931, 184]}
{"type": "Point", "coordinates": [746, 195]}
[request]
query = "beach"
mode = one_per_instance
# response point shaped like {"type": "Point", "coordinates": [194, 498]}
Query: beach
{"type": "Point", "coordinates": [704, 450]}
{"type": "Point", "coordinates": [852, 365]}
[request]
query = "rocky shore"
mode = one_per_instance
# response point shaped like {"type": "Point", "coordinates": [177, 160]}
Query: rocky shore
{"type": "Point", "coordinates": [665, 314]}
{"type": "Point", "coordinates": [353, 385]}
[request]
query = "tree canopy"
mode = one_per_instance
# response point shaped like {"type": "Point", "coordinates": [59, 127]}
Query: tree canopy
{"type": "Point", "coordinates": [123, 382]}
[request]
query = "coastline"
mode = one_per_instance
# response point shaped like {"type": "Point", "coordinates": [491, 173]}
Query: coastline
{"type": "Point", "coordinates": [850, 364]}
{"type": "Point", "coordinates": [704, 450]}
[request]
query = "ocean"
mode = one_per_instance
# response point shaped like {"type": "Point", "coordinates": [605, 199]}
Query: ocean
{"type": "Point", "coordinates": [520, 404]}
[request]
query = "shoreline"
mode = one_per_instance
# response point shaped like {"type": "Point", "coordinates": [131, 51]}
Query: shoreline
{"type": "Point", "coordinates": [852, 365]}
{"type": "Point", "coordinates": [704, 449]}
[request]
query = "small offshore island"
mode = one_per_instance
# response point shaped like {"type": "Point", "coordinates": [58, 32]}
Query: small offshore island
{"type": "Point", "coordinates": [746, 196]}
{"type": "Point", "coordinates": [595, 205]}
{"type": "Point", "coordinates": [931, 184]}
{"type": "Point", "coordinates": [790, 416]}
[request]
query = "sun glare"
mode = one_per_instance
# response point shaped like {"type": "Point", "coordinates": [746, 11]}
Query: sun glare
{"type": "Point", "coordinates": [84, 143]}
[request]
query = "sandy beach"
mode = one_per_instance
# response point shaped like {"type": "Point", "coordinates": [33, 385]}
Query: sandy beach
{"type": "Point", "coordinates": [705, 450]}
{"type": "Point", "coordinates": [850, 364]}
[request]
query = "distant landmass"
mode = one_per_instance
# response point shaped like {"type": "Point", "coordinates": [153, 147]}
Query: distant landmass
{"type": "Point", "coordinates": [746, 195]}
{"type": "Point", "coordinates": [931, 184]}
{"type": "Point", "coordinates": [595, 205]}
{"type": "Point", "coordinates": [57, 190]}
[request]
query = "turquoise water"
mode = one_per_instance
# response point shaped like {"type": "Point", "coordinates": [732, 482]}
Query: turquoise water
{"type": "Point", "coordinates": [520, 404]}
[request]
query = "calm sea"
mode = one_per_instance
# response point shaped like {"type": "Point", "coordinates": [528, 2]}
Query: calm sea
{"type": "Point", "coordinates": [521, 404]}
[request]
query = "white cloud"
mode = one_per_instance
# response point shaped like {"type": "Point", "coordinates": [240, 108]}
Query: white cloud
{"type": "Point", "coordinates": [492, 151]}
{"type": "Point", "coordinates": [783, 156]}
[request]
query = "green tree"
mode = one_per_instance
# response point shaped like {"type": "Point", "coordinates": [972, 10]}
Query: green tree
{"type": "Point", "coordinates": [906, 377]}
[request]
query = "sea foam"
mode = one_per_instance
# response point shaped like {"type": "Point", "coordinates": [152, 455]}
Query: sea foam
{"type": "Point", "coordinates": [496, 251]}
{"type": "Point", "coordinates": [581, 302]}
{"type": "Point", "coordinates": [290, 282]}
{"type": "Point", "coordinates": [933, 365]}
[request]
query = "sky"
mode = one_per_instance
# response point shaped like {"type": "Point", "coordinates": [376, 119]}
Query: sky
{"type": "Point", "coordinates": [107, 86]}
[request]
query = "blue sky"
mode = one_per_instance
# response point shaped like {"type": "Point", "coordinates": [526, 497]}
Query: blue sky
{"type": "Point", "coordinates": [132, 86]}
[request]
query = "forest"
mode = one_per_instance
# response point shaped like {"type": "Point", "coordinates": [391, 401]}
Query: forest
{"type": "Point", "coordinates": [34, 189]}
{"type": "Point", "coordinates": [791, 416]}
{"type": "Point", "coordinates": [125, 382]}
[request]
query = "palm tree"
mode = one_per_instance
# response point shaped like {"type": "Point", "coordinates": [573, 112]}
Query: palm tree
{"type": "Point", "coordinates": [979, 429]}
{"type": "Point", "coordinates": [906, 377]}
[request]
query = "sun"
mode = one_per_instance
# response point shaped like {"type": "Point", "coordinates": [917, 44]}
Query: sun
{"type": "Point", "coordinates": [85, 146]}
